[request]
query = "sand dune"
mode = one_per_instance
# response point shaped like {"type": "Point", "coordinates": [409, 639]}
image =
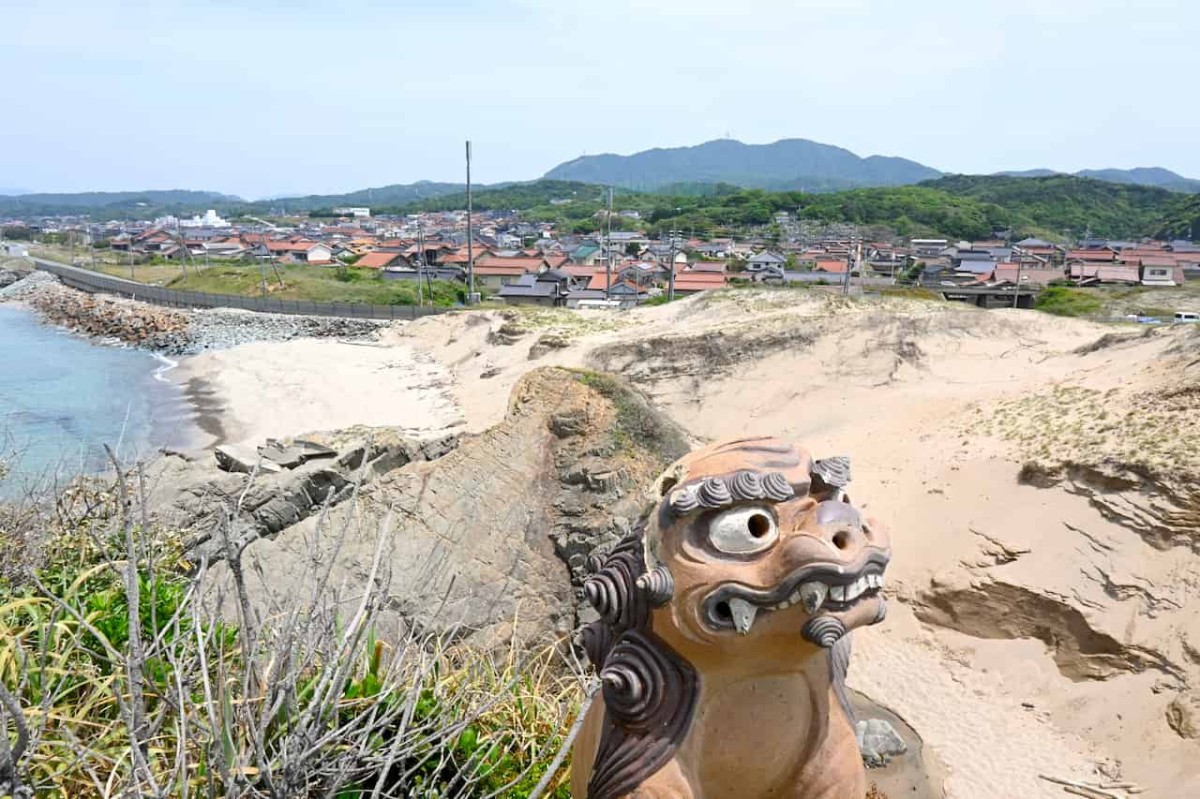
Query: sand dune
{"type": "Point", "coordinates": [1035, 629]}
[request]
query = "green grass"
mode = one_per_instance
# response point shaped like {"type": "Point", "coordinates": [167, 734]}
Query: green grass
{"type": "Point", "coordinates": [637, 425]}
{"type": "Point", "coordinates": [1067, 301]}
{"type": "Point", "coordinates": [314, 283]}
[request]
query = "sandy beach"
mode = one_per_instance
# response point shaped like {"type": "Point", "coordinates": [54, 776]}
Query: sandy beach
{"type": "Point", "coordinates": [252, 392]}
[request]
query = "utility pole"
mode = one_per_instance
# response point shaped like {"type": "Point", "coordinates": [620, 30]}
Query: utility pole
{"type": "Point", "coordinates": [420, 258]}
{"type": "Point", "coordinates": [851, 261]}
{"type": "Point", "coordinates": [470, 235]}
{"type": "Point", "coordinates": [608, 249]}
{"type": "Point", "coordinates": [1017, 295]}
{"type": "Point", "coordinates": [671, 274]}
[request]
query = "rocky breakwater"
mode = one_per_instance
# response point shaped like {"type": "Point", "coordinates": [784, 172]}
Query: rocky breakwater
{"type": "Point", "coordinates": [9, 276]}
{"type": "Point", "coordinates": [489, 537]}
{"type": "Point", "coordinates": [107, 317]}
{"type": "Point", "coordinates": [168, 330]}
{"type": "Point", "coordinates": [221, 328]}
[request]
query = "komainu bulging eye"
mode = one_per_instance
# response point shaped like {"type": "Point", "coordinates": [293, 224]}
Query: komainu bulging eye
{"type": "Point", "coordinates": [743, 531]}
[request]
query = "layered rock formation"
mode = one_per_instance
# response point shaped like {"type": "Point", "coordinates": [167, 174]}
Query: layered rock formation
{"type": "Point", "coordinates": [489, 535]}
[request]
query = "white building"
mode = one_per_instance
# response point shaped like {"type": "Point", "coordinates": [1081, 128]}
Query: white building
{"type": "Point", "coordinates": [361, 213]}
{"type": "Point", "coordinates": [210, 220]}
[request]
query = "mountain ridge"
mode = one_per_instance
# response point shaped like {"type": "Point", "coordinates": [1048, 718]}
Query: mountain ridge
{"type": "Point", "coordinates": [1156, 176]}
{"type": "Point", "coordinates": [799, 164]}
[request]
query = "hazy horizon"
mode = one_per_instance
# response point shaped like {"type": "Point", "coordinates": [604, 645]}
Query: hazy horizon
{"type": "Point", "coordinates": [293, 97]}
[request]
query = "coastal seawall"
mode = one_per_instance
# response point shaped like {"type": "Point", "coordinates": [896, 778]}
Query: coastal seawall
{"type": "Point", "coordinates": [171, 331]}
{"type": "Point", "coordinates": [93, 282]}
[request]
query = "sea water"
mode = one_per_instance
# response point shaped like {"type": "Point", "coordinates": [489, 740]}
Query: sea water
{"type": "Point", "coordinates": [63, 398]}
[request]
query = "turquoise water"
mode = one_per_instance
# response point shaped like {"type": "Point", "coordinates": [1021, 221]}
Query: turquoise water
{"type": "Point", "coordinates": [63, 397]}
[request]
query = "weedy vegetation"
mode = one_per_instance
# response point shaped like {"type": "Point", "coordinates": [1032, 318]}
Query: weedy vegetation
{"type": "Point", "coordinates": [126, 669]}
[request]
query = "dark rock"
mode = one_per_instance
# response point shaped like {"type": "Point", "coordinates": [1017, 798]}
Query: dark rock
{"type": "Point", "coordinates": [569, 424]}
{"type": "Point", "coordinates": [232, 458]}
{"type": "Point", "coordinates": [312, 450]}
{"type": "Point", "coordinates": [879, 742]}
{"type": "Point", "coordinates": [287, 457]}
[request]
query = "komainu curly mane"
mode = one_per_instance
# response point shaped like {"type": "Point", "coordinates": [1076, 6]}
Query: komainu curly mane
{"type": "Point", "coordinates": [649, 691]}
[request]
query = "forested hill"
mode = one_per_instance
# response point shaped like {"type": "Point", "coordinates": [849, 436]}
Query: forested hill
{"type": "Point", "coordinates": [797, 164]}
{"type": "Point", "coordinates": [1142, 176]}
{"type": "Point", "coordinates": [960, 206]}
{"type": "Point", "coordinates": [396, 194]}
{"type": "Point", "coordinates": [1068, 204]}
{"type": "Point", "coordinates": [113, 204]}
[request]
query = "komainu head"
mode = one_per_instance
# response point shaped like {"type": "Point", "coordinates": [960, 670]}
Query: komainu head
{"type": "Point", "coordinates": [750, 564]}
{"type": "Point", "coordinates": [753, 545]}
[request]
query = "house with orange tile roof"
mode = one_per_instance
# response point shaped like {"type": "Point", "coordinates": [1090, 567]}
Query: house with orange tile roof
{"type": "Point", "coordinates": [626, 292]}
{"type": "Point", "coordinates": [830, 265]}
{"type": "Point", "coordinates": [1008, 273]}
{"type": "Point", "coordinates": [382, 259]}
{"type": "Point", "coordinates": [1093, 256]}
{"type": "Point", "coordinates": [493, 272]}
{"type": "Point", "coordinates": [1096, 272]}
{"type": "Point", "coordinates": [300, 251]}
{"type": "Point", "coordinates": [688, 282]}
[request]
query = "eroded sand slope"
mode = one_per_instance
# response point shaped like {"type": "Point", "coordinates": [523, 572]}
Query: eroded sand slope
{"type": "Point", "coordinates": [1039, 474]}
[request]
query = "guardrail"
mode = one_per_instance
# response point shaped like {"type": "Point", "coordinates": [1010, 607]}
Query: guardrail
{"type": "Point", "coordinates": [94, 282]}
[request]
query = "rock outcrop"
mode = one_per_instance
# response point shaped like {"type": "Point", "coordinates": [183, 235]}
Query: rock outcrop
{"type": "Point", "coordinates": [489, 539]}
{"type": "Point", "coordinates": [251, 494]}
{"type": "Point", "coordinates": [8, 277]}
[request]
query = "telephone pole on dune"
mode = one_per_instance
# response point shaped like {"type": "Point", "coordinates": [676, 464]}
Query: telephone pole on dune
{"type": "Point", "coordinates": [471, 298]}
{"type": "Point", "coordinates": [671, 274]}
{"type": "Point", "coordinates": [420, 259]}
{"type": "Point", "coordinates": [608, 248]}
{"type": "Point", "coordinates": [851, 261]}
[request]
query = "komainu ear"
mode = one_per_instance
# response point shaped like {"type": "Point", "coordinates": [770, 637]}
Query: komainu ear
{"type": "Point", "coordinates": [830, 476]}
{"type": "Point", "coordinates": [658, 585]}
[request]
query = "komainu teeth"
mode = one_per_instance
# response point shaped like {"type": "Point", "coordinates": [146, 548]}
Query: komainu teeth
{"type": "Point", "coordinates": [813, 596]}
{"type": "Point", "coordinates": [876, 580]}
{"type": "Point", "coordinates": [743, 615]}
{"type": "Point", "coordinates": [838, 593]}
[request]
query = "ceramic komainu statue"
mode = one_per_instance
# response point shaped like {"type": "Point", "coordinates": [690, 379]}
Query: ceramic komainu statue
{"type": "Point", "coordinates": [724, 640]}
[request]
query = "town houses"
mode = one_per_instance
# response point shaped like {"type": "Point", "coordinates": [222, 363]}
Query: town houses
{"type": "Point", "coordinates": [516, 261]}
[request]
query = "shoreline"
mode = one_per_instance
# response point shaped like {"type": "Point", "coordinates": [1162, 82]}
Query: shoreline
{"type": "Point", "coordinates": [65, 395]}
{"type": "Point", "coordinates": [207, 412]}
{"type": "Point", "coordinates": [282, 389]}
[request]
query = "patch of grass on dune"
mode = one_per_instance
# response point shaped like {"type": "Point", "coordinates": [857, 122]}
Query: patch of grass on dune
{"type": "Point", "coordinates": [315, 283]}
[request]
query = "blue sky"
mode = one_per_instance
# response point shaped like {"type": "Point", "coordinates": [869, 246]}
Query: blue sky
{"type": "Point", "coordinates": [281, 97]}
